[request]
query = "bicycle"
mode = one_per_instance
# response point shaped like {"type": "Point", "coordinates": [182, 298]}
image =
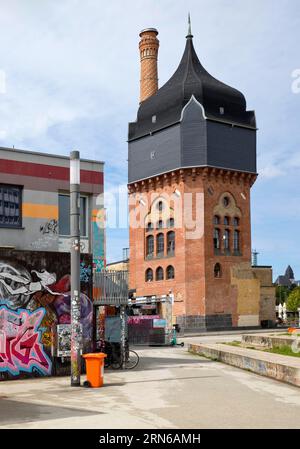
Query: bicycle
{"type": "Point", "coordinates": [113, 359]}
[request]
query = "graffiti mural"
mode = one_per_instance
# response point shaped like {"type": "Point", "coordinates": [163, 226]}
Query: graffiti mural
{"type": "Point", "coordinates": [40, 281]}
{"type": "Point", "coordinates": [50, 227]}
{"type": "Point", "coordinates": [21, 348]}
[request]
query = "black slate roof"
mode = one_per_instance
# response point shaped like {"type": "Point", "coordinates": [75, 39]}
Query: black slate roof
{"type": "Point", "coordinates": [189, 79]}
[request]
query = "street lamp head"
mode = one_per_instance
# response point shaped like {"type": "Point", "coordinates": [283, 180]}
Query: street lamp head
{"type": "Point", "coordinates": [75, 167]}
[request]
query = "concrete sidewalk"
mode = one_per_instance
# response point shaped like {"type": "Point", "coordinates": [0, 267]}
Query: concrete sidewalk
{"type": "Point", "coordinates": [170, 388]}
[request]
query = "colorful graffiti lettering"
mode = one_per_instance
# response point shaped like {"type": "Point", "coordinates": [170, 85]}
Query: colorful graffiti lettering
{"type": "Point", "coordinates": [21, 348]}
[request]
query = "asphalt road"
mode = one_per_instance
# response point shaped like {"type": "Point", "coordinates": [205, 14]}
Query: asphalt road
{"type": "Point", "coordinates": [169, 389]}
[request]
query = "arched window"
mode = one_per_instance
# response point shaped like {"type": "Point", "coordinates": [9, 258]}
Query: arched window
{"type": "Point", "coordinates": [149, 226]}
{"type": "Point", "coordinates": [226, 221]}
{"type": "Point", "coordinates": [170, 223]}
{"type": "Point", "coordinates": [171, 243]}
{"type": "Point", "coordinates": [216, 219]}
{"type": "Point", "coordinates": [160, 244]}
{"type": "Point", "coordinates": [149, 275]}
{"type": "Point", "coordinates": [150, 246]}
{"type": "Point", "coordinates": [159, 274]}
{"type": "Point", "coordinates": [226, 201]}
{"type": "Point", "coordinates": [226, 239]}
{"type": "Point", "coordinates": [236, 240]}
{"type": "Point", "coordinates": [217, 270]}
{"type": "Point", "coordinates": [170, 272]}
{"type": "Point", "coordinates": [160, 224]}
{"type": "Point", "coordinates": [236, 221]}
{"type": "Point", "coordinates": [217, 238]}
{"type": "Point", "coordinates": [160, 206]}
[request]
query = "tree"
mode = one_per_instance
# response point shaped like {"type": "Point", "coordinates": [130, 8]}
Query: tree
{"type": "Point", "coordinates": [293, 301]}
{"type": "Point", "coordinates": [282, 293]}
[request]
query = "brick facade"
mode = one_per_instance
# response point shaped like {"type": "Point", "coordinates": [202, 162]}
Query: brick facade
{"type": "Point", "coordinates": [200, 298]}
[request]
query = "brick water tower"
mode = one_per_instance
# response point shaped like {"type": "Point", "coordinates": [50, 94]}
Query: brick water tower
{"type": "Point", "coordinates": [191, 165]}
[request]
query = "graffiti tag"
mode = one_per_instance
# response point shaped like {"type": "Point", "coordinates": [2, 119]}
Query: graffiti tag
{"type": "Point", "coordinates": [85, 272]}
{"type": "Point", "coordinates": [21, 348]}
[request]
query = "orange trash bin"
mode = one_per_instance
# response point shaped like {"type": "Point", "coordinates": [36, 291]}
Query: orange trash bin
{"type": "Point", "coordinates": [95, 368]}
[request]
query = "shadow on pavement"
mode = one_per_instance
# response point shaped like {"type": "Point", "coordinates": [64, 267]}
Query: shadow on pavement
{"type": "Point", "coordinates": [153, 363]}
{"type": "Point", "coordinates": [15, 412]}
{"type": "Point", "coordinates": [121, 384]}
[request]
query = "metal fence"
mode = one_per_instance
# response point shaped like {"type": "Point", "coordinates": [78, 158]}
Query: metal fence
{"type": "Point", "coordinates": [110, 287]}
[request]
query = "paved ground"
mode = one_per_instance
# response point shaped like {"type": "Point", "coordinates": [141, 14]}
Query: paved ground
{"type": "Point", "coordinates": [169, 389]}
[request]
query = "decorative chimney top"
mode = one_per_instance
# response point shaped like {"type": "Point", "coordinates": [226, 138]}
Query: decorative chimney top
{"type": "Point", "coordinates": [148, 46]}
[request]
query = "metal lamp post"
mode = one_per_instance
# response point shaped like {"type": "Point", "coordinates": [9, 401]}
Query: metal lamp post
{"type": "Point", "coordinates": [76, 330]}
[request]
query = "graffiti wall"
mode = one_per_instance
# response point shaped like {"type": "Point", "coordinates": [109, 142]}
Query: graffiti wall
{"type": "Point", "coordinates": [35, 299]}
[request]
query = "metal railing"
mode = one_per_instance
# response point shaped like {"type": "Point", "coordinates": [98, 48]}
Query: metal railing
{"type": "Point", "coordinates": [110, 287]}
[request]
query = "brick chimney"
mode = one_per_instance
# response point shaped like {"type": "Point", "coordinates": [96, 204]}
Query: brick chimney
{"type": "Point", "coordinates": [148, 53]}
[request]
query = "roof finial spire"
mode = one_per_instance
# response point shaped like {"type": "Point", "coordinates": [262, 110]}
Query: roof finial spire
{"type": "Point", "coordinates": [189, 35]}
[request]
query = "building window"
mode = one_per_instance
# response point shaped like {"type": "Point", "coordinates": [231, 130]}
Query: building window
{"type": "Point", "coordinates": [171, 223]}
{"type": "Point", "coordinates": [10, 206]}
{"type": "Point", "coordinates": [171, 243]}
{"type": "Point", "coordinates": [64, 215]}
{"type": "Point", "coordinates": [159, 274]}
{"type": "Point", "coordinates": [217, 238]}
{"type": "Point", "coordinates": [236, 221]}
{"type": "Point", "coordinates": [226, 239]}
{"type": "Point", "coordinates": [150, 246]}
{"type": "Point", "coordinates": [160, 224]}
{"type": "Point", "coordinates": [217, 270]}
{"type": "Point", "coordinates": [160, 206]}
{"type": "Point", "coordinates": [170, 272]}
{"type": "Point", "coordinates": [149, 226]}
{"type": "Point", "coordinates": [236, 241]}
{"type": "Point", "coordinates": [216, 220]}
{"type": "Point", "coordinates": [160, 244]}
{"type": "Point", "coordinates": [149, 275]}
{"type": "Point", "coordinates": [226, 201]}
{"type": "Point", "coordinates": [226, 221]}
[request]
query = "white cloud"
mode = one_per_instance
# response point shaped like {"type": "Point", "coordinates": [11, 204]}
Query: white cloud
{"type": "Point", "coordinates": [72, 72]}
{"type": "Point", "coordinates": [271, 171]}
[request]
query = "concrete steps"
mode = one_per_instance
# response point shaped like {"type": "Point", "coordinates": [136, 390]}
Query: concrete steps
{"type": "Point", "coordinates": [275, 366]}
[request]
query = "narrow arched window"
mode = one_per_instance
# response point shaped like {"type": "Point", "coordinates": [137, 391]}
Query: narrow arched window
{"type": "Point", "coordinates": [217, 238]}
{"type": "Point", "coordinates": [149, 226]}
{"type": "Point", "coordinates": [160, 244]}
{"type": "Point", "coordinates": [159, 274]}
{"type": "Point", "coordinates": [216, 220]}
{"type": "Point", "coordinates": [236, 221]}
{"type": "Point", "coordinates": [150, 245]}
{"type": "Point", "coordinates": [171, 243]}
{"type": "Point", "coordinates": [149, 275]}
{"type": "Point", "coordinates": [226, 221]}
{"type": "Point", "coordinates": [170, 272]}
{"type": "Point", "coordinates": [160, 206]}
{"type": "Point", "coordinates": [226, 239]}
{"type": "Point", "coordinates": [217, 270]}
{"type": "Point", "coordinates": [160, 224]}
{"type": "Point", "coordinates": [236, 241]}
{"type": "Point", "coordinates": [171, 223]}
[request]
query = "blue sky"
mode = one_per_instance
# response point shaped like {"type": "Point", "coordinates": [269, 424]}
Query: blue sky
{"type": "Point", "coordinates": [72, 81]}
